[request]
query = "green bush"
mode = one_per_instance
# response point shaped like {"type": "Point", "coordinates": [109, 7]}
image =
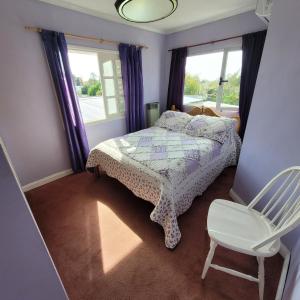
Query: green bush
{"type": "Point", "coordinates": [192, 85]}
{"type": "Point", "coordinates": [94, 89]}
{"type": "Point", "coordinates": [91, 87]}
{"type": "Point", "coordinates": [232, 89]}
{"type": "Point", "coordinates": [84, 89]}
{"type": "Point", "coordinates": [207, 89]}
{"type": "Point", "coordinates": [212, 94]}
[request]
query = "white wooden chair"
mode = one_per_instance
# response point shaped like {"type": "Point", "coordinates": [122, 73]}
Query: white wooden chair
{"type": "Point", "coordinates": [255, 232]}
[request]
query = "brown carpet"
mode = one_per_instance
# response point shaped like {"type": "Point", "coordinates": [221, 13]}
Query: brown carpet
{"type": "Point", "coordinates": [105, 246]}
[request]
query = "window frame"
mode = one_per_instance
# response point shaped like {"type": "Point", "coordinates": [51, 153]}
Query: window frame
{"type": "Point", "coordinates": [117, 96]}
{"type": "Point", "coordinates": [225, 49]}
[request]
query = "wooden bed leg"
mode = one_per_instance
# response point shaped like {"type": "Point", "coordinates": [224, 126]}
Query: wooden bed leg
{"type": "Point", "coordinates": [96, 172]}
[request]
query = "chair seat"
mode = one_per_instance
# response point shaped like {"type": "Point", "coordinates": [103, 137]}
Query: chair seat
{"type": "Point", "coordinates": [238, 228]}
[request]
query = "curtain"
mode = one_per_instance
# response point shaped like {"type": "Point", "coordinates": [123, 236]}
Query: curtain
{"type": "Point", "coordinates": [176, 78]}
{"type": "Point", "coordinates": [132, 75]}
{"type": "Point", "coordinates": [253, 45]}
{"type": "Point", "coordinates": [57, 55]}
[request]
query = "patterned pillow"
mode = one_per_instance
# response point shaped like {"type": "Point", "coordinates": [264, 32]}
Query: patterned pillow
{"type": "Point", "coordinates": [173, 120]}
{"type": "Point", "coordinates": [214, 128]}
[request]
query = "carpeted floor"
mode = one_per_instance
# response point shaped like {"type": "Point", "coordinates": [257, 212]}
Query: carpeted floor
{"type": "Point", "coordinates": [105, 246]}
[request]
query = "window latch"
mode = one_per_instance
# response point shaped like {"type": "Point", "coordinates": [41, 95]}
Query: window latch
{"type": "Point", "coordinates": [222, 81]}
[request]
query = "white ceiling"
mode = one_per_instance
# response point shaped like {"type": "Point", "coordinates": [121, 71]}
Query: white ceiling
{"type": "Point", "coordinates": [188, 14]}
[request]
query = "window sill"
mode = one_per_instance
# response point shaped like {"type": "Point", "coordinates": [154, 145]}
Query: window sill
{"type": "Point", "coordinates": [111, 119]}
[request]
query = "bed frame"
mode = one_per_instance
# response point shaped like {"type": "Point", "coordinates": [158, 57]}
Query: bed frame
{"type": "Point", "coordinates": [149, 187]}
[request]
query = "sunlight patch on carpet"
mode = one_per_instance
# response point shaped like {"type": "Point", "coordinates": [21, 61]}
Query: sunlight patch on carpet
{"type": "Point", "coordinates": [117, 239]}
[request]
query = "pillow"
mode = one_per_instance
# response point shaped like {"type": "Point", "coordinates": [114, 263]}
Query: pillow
{"type": "Point", "coordinates": [173, 120]}
{"type": "Point", "coordinates": [214, 128]}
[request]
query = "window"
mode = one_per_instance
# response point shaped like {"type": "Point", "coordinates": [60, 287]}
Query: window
{"type": "Point", "coordinates": [98, 82]}
{"type": "Point", "coordinates": [213, 79]}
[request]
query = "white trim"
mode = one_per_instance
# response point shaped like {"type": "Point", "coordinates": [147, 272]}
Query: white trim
{"type": "Point", "coordinates": [79, 48]}
{"type": "Point", "coordinates": [46, 180]}
{"type": "Point", "coordinates": [283, 251]}
{"type": "Point", "coordinates": [220, 99]}
{"type": "Point", "coordinates": [236, 197]}
{"type": "Point", "coordinates": [111, 119]}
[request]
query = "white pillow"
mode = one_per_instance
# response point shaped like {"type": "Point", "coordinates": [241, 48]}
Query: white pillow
{"type": "Point", "coordinates": [214, 128]}
{"type": "Point", "coordinates": [173, 120]}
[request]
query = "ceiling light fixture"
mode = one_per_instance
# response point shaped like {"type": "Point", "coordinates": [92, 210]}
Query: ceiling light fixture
{"type": "Point", "coordinates": [145, 11]}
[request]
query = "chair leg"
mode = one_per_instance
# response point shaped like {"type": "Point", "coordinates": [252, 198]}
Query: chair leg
{"type": "Point", "coordinates": [209, 257]}
{"type": "Point", "coordinates": [261, 277]}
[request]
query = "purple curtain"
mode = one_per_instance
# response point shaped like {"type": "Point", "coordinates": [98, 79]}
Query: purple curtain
{"type": "Point", "coordinates": [176, 78]}
{"type": "Point", "coordinates": [132, 74]}
{"type": "Point", "coordinates": [253, 45]}
{"type": "Point", "coordinates": [57, 55]}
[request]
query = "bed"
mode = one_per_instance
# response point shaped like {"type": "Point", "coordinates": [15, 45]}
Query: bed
{"type": "Point", "coordinates": [168, 168]}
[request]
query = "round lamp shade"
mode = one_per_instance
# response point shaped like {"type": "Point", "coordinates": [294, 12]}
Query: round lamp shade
{"type": "Point", "coordinates": [145, 11]}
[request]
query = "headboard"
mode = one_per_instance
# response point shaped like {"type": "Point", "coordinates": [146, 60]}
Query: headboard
{"type": "Point", "coordinates": [202, 110]}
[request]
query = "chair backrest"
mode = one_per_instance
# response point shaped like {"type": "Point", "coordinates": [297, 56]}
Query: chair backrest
{"type": "Point", "coordinates": [279, 202]}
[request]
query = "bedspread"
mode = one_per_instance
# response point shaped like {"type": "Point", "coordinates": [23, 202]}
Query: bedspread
{"type": "Point", "coordinates": [165, 167]}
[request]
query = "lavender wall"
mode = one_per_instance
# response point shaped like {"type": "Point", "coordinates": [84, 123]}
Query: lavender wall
{"type": "Point", "coordinates": [233, 26]}
{"type": "Point", "coordinates": [30, 122]}
{"type": "Point", "coordinates": [27, 271]}
{"type": "Point", "coordinates": [272, 141]}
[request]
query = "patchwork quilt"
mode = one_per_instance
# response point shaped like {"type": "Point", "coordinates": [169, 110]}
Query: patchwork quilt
{"type": "Point", "coordinates": [165, 167]}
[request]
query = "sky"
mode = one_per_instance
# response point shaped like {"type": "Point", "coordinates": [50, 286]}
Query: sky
{"type": "Point", "coordinates": [208, 66]}
{"type": "Point", "coordinates": [83, 64]}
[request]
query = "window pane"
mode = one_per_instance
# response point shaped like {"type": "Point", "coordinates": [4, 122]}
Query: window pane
{"type": "Point", "coordinates": [108, 68]}
{"type": "Point", "coordinates": [112, 105]}
{"type": "Point", "coordinates": [231, 89]}
{"type": "Point", "coordinates": [86, 78]}
{"type": "Point", "coordinates": [202, 79]}
{"type": "Point", "coordinates": [109, 87]}
{"type": "Point", "coordinates": [92, 109]}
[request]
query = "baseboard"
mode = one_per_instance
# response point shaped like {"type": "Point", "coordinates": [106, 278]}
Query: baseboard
{"type": "Point", "coordinates": [236, 197]}
{"type": "Point", "coordinates": [46, 180]}
{"type": "Point", "coordinates": [284, 252]}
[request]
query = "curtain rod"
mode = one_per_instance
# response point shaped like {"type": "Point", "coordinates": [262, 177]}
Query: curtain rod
{"type": "Point", "coordinates": [211, 42]}
{"type": "Point", "coordinates": [82, 37]}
